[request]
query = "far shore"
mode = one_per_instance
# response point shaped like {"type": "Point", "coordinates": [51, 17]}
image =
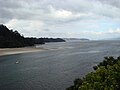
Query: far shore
{"type": "Point", "coordinates": [11, 51]}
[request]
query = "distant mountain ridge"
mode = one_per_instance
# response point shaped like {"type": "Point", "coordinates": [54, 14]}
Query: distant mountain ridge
{"type": "Point", "coordinates": [76, 39]}
{"type": "Point", "coordinates": [13, 39]}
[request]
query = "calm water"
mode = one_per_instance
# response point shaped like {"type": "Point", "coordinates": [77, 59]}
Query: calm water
{"type": "Point", "coordinates": [56, 68]}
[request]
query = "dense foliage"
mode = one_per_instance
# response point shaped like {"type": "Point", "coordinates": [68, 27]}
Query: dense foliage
{"type": "Point", "coordinates": [105, 77]}
{"type": "Point", "coordinates": [12, 39]}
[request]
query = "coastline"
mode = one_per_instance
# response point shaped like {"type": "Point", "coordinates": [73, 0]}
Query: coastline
{"type": "Point", "coordinates": [11, 51]}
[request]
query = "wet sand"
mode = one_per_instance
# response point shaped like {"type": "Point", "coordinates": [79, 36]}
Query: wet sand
{"type": "Point", "coordinates": [10, 51]}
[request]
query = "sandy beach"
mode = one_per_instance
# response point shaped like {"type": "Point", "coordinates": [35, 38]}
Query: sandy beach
{"type": "Point", "coordinates": [10, 51]}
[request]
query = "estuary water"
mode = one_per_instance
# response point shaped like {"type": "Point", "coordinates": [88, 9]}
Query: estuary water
{"type": "Point", "coordinates": [55, 68]}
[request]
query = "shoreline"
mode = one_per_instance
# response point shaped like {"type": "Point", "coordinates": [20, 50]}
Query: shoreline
{"type": "Point", "coordinates": [12, 51]}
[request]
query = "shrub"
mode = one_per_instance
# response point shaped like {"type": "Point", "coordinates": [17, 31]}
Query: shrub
{"type": "Point", "coordinates": [105, 77]}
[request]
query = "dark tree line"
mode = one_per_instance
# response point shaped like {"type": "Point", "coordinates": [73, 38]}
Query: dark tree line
{"type": "Point", "coordinates": [13, 39]}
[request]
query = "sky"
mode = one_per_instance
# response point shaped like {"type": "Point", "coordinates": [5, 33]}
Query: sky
{"type": "Point", "coordinates": [92, 19]}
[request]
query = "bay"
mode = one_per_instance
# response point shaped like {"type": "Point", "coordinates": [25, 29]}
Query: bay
{"type": "Point", "coordinates": [55, 68]}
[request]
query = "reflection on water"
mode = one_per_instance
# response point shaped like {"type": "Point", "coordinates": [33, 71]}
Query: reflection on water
{"type": "Point", "coordinates": [56, 68]}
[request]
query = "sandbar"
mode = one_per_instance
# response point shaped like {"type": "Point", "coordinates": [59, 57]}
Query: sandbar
{"type": "Point", "coordinates": [11, 51]}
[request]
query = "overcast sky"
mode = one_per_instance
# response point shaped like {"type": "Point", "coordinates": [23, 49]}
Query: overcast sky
{"type": "Point", "coordinates": [93, 19]}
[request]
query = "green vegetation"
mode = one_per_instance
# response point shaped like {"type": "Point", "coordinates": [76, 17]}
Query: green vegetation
{"type": "Point", "coordinates": [13, 39]}
{"type": "Point", "coordinates": [105, 77]}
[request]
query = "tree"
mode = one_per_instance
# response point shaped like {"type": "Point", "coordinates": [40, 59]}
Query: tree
{"type": "Point", "coordinates": [105, 77]}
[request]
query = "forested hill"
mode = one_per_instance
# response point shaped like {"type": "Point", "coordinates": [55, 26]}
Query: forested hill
{"type": "Point", "coordinates": [13, 39]}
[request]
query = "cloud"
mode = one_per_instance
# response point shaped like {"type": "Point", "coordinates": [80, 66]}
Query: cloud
{"type": "Point", "coordinates": [27, 28]}
{"type": "Point", "coordinates": [46, 30]}
{"type": "Point", "coordinates": [61, 13]}
{"type": "Point", "coordinates": [9, 4]}
{"type": "Point", "coordinates": [111, 31]}
{"type": "Point", "coordinates": [115, 3]}
{"type": "Point", "coordinates": [47, 9]}
{"type": "Point", "coordinates": [61, 17]}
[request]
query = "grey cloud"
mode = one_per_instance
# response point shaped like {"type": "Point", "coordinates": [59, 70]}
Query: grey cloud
{"type": "Point", "coordinates": [40, 10]}
{"type": "Point", "coordinates": [115, 3]}
{"type": "Point", "coordinates": [2, 21]}
{"type": "Point", "coordinates": [9, 4]}
{"type": "Point", "coordinates": [47, 30]}
{"type": "Point", "coordinates": [6, 9]}
{"type": "Point", "coordinates": [30, 15]}
{"type": "Point", "coordinates": [5, 13]}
